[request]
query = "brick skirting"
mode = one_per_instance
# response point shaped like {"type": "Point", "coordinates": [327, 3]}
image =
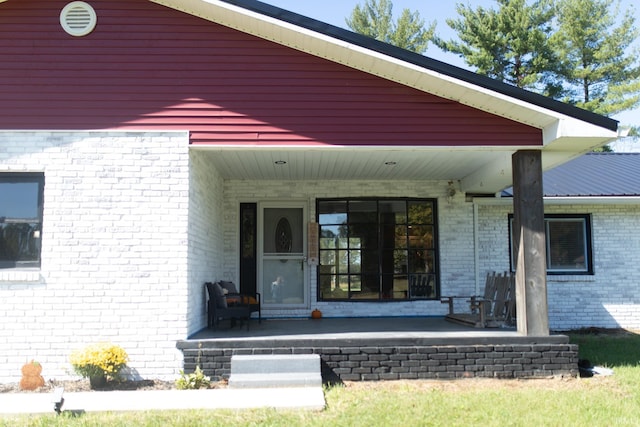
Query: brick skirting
{"type": "Point", "coordinates": [373, 363]}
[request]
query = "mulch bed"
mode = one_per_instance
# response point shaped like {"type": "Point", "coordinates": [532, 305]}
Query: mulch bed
{"type": "Point", "coordinates": [83, 385]}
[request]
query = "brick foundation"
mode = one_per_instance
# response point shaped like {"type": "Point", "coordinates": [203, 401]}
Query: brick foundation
{"type": "Point", "coordinates": [373, 363]}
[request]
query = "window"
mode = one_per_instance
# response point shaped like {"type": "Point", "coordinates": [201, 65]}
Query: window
{"type": "Point", "coordinates": [568, 240]}
{"type": "Point", "coordinates": [377, 249]}
{"type": "Point", "coordinates": [21, 196]}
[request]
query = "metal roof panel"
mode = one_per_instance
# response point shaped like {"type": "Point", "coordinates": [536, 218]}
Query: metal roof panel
{"type": "Point", "coordinates": [594, 175]}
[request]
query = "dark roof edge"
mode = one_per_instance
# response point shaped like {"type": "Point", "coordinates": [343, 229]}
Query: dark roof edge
{"type": "Point", "coordinates": [424, 62]}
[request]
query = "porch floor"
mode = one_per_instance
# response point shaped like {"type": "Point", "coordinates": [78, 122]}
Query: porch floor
{"type": "Point", "coordinates": [360, 331]}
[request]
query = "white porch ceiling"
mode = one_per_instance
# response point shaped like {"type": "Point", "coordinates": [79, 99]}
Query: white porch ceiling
{"type": "Point", "coordinates": [364, 164]}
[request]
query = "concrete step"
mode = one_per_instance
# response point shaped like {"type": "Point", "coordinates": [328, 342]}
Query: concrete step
{"type": "Point", "coordinates": [286, 370]}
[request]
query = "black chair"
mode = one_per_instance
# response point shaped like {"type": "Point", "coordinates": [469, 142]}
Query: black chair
{"type": "Point", "coordinates": [217, 308]}
{"type": "Point", "coordinates": [233, 297]}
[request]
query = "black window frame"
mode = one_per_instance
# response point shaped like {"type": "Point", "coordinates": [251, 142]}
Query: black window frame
{"type": "Point", "coordinates": [588, 243]}
{"type": "Point", "coordinates": [421, 285]}
{"type": "Point", "coordinates": [34, 223]}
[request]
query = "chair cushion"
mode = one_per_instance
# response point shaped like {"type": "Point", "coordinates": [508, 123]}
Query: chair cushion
{"type": "Point", "coordinates": [221, 301]}
{"type": "Point", "coordinates": [229, 286]}
{"type": "Point", "coordinates": [236, 299]}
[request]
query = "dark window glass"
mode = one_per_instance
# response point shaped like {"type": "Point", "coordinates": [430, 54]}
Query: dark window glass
{"type": "Point", "coordinates": [363, 212]}
{"type": "Point", "coordinates": [377, 249]}
{"type": "Point", "coordinates": [21, 196]}
{"type": "Point", "coordinates": [567, 250]}
{"type": "Point", "coordinates": [568, 240]}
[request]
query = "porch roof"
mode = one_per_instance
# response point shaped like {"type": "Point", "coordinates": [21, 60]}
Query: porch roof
{"type": "Point", "coordinates": [567, 131]}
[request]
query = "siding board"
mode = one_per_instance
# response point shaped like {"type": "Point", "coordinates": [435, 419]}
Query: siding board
{"type": "Point", "coordinates": [149, 67]}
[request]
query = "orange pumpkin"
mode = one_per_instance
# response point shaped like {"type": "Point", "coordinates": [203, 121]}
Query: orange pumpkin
{"type": "Point", "coordinates": [31, 378]}
{"type": "Point", "coordinates": [316, 314]}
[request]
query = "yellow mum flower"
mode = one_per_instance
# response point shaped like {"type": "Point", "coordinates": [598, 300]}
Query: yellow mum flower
{"type": "Point", "coordinates": [100, 359]}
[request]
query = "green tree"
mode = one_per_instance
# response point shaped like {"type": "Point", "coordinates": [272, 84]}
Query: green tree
{"type": "Point", "coordinates": [375, 19]}
{"type": "Point", "coordinates": [507, 44]}
{"type": "Point", "coordinates": [599, 72]}
{"type": "Point", "coordinates": [573, 50]}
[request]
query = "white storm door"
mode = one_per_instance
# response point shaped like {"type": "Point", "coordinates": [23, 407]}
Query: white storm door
{"type": "Point", "coordinates": [282, 242]}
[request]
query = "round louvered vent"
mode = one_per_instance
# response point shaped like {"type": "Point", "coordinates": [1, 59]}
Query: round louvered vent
{"type": "Point", "coordinates": [78, 18]}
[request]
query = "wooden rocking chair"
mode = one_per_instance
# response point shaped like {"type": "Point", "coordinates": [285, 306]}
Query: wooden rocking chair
{"type": "Point", "coordinates": [494, 309]}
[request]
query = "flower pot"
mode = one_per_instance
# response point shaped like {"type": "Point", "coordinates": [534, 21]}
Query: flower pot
{"type": "Point", "coordinates": [97, 381]}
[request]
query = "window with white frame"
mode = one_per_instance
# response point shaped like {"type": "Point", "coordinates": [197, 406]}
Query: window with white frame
{"type": "Point", "coordinates": [568, 243]}
{"type": "Point", "coordinates": [21, 199]}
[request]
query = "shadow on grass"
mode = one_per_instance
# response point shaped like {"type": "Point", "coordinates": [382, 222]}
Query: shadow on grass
{"type": "Point", "coordinates": [607, 347]}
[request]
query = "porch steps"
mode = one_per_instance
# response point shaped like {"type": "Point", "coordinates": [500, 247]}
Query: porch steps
{"type": "Point", "coordinates": [275, 370]}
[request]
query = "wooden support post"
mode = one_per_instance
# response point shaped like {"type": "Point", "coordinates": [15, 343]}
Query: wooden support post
{"type": "Point", "coordinates": [529, 238]}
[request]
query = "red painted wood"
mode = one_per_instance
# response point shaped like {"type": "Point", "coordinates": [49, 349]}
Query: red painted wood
{"type": "Point", "coordinates": [147, 67]}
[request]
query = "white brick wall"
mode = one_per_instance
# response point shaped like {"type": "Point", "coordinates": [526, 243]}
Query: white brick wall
{"type": "Point", "coordinates": [205, 236]}
{"type": "Point", "coordinates": [456, 237]}
{"type": "Point", "coordinates": [114, 250]}
{"type": "Point", "coordinates": [611, 297]}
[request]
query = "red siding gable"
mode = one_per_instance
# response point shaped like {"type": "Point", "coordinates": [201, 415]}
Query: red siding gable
{"type": "Point", "coordinates": [149, 67]}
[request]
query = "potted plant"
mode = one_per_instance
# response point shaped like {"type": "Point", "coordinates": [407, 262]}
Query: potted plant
{"type": "Point", "coordinates": [99, 362]}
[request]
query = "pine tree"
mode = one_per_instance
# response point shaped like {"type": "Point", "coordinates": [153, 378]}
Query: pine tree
{"type": "Point", "coordinates": [599, 71]}
{"type": "Point", "coordinates": [375, 19]}
{"type": "Point", "coordinates": [509, 44]}
{"type": "Point", "coordinates": [571, 50]}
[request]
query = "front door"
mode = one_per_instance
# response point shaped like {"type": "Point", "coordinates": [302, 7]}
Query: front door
{"type": "Point", "coordinates": [282, 276]}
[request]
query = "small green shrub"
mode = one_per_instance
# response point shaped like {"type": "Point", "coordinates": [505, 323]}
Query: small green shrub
{"type": "Point", "coordinates": [193, 381]}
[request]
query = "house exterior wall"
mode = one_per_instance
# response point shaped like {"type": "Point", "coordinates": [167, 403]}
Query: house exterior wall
{"type": "Point", "coordinates": [135, 222]}
{"type": "Point", "coordinates": [206, 233]}
{"type": "Point", "coordinates": [115, 227]}
{"type": "Point", "coordinates": [146, 66]}
{"type": "Point", "coordinates": [455, 233]}
{"type": "Point", "coordinates": [609, 298]}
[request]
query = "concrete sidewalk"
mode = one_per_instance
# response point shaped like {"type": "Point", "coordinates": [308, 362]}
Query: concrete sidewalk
{"type": "Point", "coordinates": [306, 398]}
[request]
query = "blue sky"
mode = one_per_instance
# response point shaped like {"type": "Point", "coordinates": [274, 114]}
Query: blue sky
{"type": "Point", "coordinates": [335, 11]}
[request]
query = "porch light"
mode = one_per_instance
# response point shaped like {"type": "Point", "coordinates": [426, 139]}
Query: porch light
{"type": "Point", "coordinates": [451, 192]}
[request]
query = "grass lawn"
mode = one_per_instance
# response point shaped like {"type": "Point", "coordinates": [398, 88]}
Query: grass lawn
{"type": "Point", "coordinates": [597, 401]}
